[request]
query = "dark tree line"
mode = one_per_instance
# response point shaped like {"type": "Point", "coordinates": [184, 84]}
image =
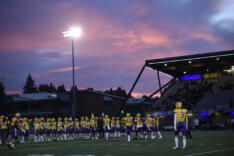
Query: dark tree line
{"type": "Point", "coordinates": [2, 92]}
{"type": "Point", "coordinates": [30, 87]}
{"type": "Point", "coordinates": [118, 92]}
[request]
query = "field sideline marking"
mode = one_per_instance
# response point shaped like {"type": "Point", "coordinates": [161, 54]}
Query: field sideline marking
{"type": "Point", "coordinates": [226, 149]}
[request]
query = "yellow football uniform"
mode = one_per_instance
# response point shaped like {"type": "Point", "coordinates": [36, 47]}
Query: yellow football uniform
{"type": "Point", "coordinates": [93, 122]}
{"type": "Point", "coordinates": [59, 125]}
{"type": "Point", "coordinates": [106, 121]}
{"type": "Point", "coordinates": [180, 114]}
{"type": "Point", "coordinates": [128, 121]}
{"type": "Point", "coordinates": [138, 121]}
{"type": "Point", "coordinates": [149, 122]}
{"type": "Point", "coordinates": [25, 125]}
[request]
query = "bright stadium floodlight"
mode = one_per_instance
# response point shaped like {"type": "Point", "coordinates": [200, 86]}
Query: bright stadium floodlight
{"type": "Point", "coordinates": [74, 32]}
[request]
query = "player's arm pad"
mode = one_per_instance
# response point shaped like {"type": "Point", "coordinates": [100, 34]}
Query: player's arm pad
{"type": "Point", "coordinates": [175, 122]}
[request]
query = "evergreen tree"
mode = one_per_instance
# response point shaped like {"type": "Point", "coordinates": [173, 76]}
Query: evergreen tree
{"type": "Point", "coordinates": [76, 89]}
{"type": "Point", "coordinates": [61, 89]}
{"type": "Point", "coordinates": [43, 88]}
{"type": "Point", "coordinates": [52, 88]}
{"type": "Point", "coordinates": [30, 86]}
{"type": "Point", "coordinates": [2, 92]}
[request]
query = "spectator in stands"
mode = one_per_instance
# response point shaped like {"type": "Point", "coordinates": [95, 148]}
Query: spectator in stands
{"type": "Point", "coordinates": [196, 123]}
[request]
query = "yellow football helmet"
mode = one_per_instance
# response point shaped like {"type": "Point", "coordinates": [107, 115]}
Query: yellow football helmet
{"type": "Point", "coordinates": [128, 115]}
{"type": "Point", "coordinates": [155, 114]}
{"type": "Point", "coordinates": [178, 104]}
{"type": "Point", "coordinates": [17, 115]}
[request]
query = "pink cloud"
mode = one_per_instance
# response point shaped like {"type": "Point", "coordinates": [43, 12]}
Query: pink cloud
{"type": "Point", "coordinates": [59, 70]}
{"type": "Point", "coordinates": [140, 94]}
{"type": "Point", "coordinates": [13, 92]}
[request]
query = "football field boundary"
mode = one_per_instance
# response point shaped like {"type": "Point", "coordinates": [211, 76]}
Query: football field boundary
{"type": "Point", "coordinates": [209, 152]}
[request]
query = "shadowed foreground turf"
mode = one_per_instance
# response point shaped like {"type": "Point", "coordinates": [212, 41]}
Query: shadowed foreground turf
{"type": "Point", "coordinates": [203, 143]}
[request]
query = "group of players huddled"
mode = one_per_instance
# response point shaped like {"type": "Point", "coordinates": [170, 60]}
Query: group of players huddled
{"type": "Point", "coordinates": [68, 128]}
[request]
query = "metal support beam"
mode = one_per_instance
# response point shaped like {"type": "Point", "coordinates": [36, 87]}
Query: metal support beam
{"type": "Point", "coordinates": [157, 91]}
{"type": "Point", "coordinates": [133, 86]}
{"type": "Point", "coordinates": [161, 88]}
{"type": "Point", "coordinates": [139, 75]}
{"type": "Point", "coordinates": [159, 83]}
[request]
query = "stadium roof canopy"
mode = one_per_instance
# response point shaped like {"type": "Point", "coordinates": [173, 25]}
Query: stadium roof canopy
{"type": "Point", "coordinates": [193, 64]}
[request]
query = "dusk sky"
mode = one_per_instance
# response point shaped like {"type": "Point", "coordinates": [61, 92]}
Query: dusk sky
{"type": "Point", "coordinates": [118, 36]}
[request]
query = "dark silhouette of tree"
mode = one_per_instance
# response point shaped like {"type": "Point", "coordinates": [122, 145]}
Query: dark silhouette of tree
{"type": "Point", "coordinates": [2, 92]}
{"type": "Point", "coordinates": [76, 89]}
{"type": "Point", "coordinates": [43, 88]}
{"type": "Point", "coordinates": [47, 88]}
{"type": "Point", "coordinates": [61, 89]}
{"type": "Point", "coordinates": [52, 88]}
{"type": "Point", "coordinates": [90, 89]}
{"type": "Point", "coordinates": [30, 86]}
{"type": "Point", "coordinates": [118, 92]}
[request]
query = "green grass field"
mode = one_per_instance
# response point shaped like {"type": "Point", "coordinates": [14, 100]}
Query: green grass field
{"type": "Point", "coordinates": [203, 143]}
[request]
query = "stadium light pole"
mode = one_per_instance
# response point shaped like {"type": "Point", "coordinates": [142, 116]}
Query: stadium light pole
{"type": "Point", "coordinates": [74, 32]}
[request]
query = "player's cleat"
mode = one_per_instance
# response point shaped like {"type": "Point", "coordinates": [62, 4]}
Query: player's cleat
{"type": "Point", "coordinates": [175, 148]}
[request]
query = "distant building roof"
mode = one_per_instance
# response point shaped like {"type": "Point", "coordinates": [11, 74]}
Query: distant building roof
{"type": "Point", "coordinates": [33, 97]}
{"type": "Point", "coordinates": [132, 101]}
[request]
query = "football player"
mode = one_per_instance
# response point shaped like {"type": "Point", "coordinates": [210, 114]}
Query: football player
{"type": "Point", "coordinates": [155, 126]}
{"type": "Point", "coordinates": [148, 122]}
{"type": "Point", "coordinates": [54, 127]}
{"type": "Point", "coordinates": [25, 129]}
{"type": "Point", "coordinates": [48, 129]}
{"type": "Point", "coordinates": [70, 129]}
{"type": "Point", "coordinates": [93, 127]}
{"type": "Point", "coordinates": [117, 125]}
{"type": "Point", "coordinates": [128, 124]}
{"type": "Point", "coordinates": [1, 122]}
{"type": "Point", "coordinates": [59, 129]}
{"type": "Point", "coordinates": [77, 128]}
{"type": "Point", "coordinates": [14, 130]}
{"type": "Point", "coordinates": [42, 129]}
{"type": "Point", "coordinates": [113, 128]}
{"type": "Point", "coordinates": [83, 126]}
{"type": "Point", "coordinates": [106, 126]}
{"type": "Point", "coordinates": [87, 127]}
{"type": "Point", "coordinates": [37, 129]}
{"type": "Point", "coordinates": [5, 128]}
{"type": "Point", "coordinates": [139, 125]}
{"type": "Point", "coordinates": [180, 124]}
{"type": "Point", "coordinates": [65, 128]}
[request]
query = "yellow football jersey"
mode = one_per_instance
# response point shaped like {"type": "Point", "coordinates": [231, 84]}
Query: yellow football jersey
{"type": "Point", "coordinates": [87, 124]}
{"type": "Point", "coordinates": [180, 114]}
{"type": "Point", "coordinates": [77, 124]}
{"type": "Point", "coordinates": [25, 125]}
{"type": "Point", "coordinates": [48, 125]}
{"type": "Point", "coordinates": [138, 121]}
{"type": "Point", "coordinates": [5, 125]}
{"type": "Point", "coordinates": [128, 121]}
{"type": "Point", "coordinates": [36, 125]}
{"type": "Point", "coordinates": [42, 125]}
{"type": "Point", "coordinates": [53, 124]}
{"type": "Point", "coordinates": [59, 125]}
{"type": "Point", "coordinates": [106, 121]}
{"type": "Point", "coordinates": [92, 121]}
{"type": "Point", "coordinates": [117, 123]}
{"type": "Point", "coordinates": [155, 121]}
{"type": "Point", "coordinates": [149, 121]}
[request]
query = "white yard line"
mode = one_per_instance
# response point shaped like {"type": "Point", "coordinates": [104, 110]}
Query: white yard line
{"type": "Point", "coordinates": [226, 149]}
